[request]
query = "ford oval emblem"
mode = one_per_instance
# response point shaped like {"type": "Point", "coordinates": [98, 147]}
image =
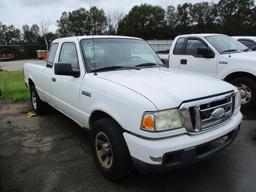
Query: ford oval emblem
{"type": "Point", "coordinates": [218, 113]}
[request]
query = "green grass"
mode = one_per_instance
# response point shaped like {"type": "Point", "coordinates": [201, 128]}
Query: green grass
{"type": "Point", "coordinates": [12, 86]}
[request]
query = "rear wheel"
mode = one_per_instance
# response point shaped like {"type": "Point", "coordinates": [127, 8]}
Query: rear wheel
{"type": "Point", "coordinates": [109, 149]}
{"type": "Point", "coordinates": [247, 90]}
{"type": "Point", "coordinates": [37, 104]}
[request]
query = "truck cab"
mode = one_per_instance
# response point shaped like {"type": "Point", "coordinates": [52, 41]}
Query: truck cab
{"type": "Point", "coordinates": [219, 56]}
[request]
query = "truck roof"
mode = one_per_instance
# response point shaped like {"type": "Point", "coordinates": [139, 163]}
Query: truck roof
{"type": "Point", "coordinates": [244, 37]}
{"type": "Point", "coordinates": [199, 35]}
{"type": "Point", "coordinates": [93, 36]}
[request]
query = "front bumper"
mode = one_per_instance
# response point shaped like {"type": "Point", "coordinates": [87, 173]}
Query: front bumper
{"type": "Point", "coordinates": [167, 153]}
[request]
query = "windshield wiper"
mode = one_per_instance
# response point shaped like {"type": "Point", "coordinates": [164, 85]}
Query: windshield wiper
{"type": "Point", "coordinates": [109, 68]}
{"type": "Point", "coordinates": [150, 65]}
{"type": "Point", "coordinates": [246, 50]}
{"type": "Point", "coordinates": [229, 50]}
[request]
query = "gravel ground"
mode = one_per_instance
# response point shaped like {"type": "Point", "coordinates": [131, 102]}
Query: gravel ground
{"type": "Point", "coordinates": [17, 65]}
{"type": "Point", "coordinates": [51, 153]}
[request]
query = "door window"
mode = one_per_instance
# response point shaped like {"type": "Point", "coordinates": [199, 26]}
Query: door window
{"type": "Point", "coordinates": [52, 54]}
{"type": "Point", "coordinates": [193, 45]}
{"type": "Point", "coordinates": [179, 47]}
{"type": "Point", "coordinates": [68, 54]}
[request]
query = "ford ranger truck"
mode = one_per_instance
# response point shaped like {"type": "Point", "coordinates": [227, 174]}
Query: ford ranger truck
{"type": "Point", "coordinates": [138, 112]}
{"type": "Point", "coordinates": [218, 56]}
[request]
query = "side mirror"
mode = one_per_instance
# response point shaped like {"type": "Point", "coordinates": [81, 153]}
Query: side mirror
{"type": "Point", "coordinates": [205, 52]}
{"type": "Point", "coordinates": [165, 62]}
{"type": "Point", "coordinates": [65, 69]}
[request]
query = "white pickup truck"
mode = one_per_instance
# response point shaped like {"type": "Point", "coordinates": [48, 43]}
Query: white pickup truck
{"type": "Point", "coordinates": [218, 56]}
{"type": "Point", "coordinates": [138, 112]}
{"type": "Point", "coordinates": [248, 41]}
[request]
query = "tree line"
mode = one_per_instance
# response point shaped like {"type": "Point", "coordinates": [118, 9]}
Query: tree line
{"type": "Point", "coordinates": [232, 17]}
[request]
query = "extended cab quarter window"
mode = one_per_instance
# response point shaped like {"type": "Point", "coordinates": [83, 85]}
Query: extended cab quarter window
{"type": "Point", "coordinates": [193, 45]}
{"type": "Point", "coordinates": [68, 55]}
{"type": "Point", "coordinates": [52, 54]}
{"type": "Point", "coordinates": [179, 47]}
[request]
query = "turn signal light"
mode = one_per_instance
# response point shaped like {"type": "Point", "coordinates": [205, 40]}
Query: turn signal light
{"type": "Point", "coordinates": [148, 122]}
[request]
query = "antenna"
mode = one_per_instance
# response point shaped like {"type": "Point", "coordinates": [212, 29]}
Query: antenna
{"type": "Point", "coordinates": [95, 73]}
{"type": "Point", "coordinates": [229, 46]}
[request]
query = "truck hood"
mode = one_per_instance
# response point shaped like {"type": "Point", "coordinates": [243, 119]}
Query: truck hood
{"type": "Point", "coordinates": [166, 88]}
{"type": "Point", "coordinates": [249, 56]}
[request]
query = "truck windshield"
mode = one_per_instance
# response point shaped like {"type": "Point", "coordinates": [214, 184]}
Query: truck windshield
{"type": "Point", "coordinates": [225, 44]}
{"type": "Point", "coordinates": [104, 54]}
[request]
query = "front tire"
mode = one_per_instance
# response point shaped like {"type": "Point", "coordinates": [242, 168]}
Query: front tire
{"type": "Point", "coordinates": [37, 104]}
{"type": "Point", "coordinates": [109, 149]}
{"type": "Point", "coordinates": [247, 90]}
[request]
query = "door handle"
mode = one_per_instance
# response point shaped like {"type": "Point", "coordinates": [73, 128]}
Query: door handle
{"type": "Point", "coordinates": [53, 79]}
{"type": "Point", "coordinates": [183, 62]}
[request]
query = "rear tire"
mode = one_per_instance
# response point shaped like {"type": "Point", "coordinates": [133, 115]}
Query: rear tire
{"type": "Point", "coordinates": [109, 149]}
{"type": "Point", "coordinates": [37, 104]}
{"type": "Point", "coordinates": [247, 90]}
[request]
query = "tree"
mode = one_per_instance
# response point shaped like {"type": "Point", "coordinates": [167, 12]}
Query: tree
{"type": "Point", "coordinates": [9, 34]}
{"type": "Point", "coordinates": [110, 27]}
{"type": "Point", "coordinates": [171, 21]}
{"type": "Point", "coordinates": [114, 20]}
{"type": "Point", "coordinates": [170, 15]}
{"type": "Point", "coordinates": [82, 22]}
{"type": "Point", "coordinates": [252, 21]}
{"type": "Point", "coordinates": [44, 27]}
{"type": "Point", "coordinates": [203, 17]}
{"type": "Point", "coordinates": [236, 13]}
{"type": "Point", "coordinates": [31, 34]}
{"type": "Point", "coordinates": [50, 37]}
{"type": "Point", "coordinates": [98, 21]}
{"type": "Point", "coordinates": [62, 24]}
{"type": "Point", "coordinates": [144, 21]}
{"type": "Point", "coordinates": [79, 22]}
{"type": "Point", "coordinates": [183, 18]}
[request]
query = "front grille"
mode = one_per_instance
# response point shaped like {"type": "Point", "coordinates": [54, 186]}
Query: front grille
{"type": "Point", "coordinates": [205, 114]}
{"type": "Point", "coordinates": [206, 111]}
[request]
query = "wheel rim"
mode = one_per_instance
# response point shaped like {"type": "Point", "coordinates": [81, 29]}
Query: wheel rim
{"type": "Point", "coordinates": [34, 100]}
{"type": "Point", "coordinates": [104, 150]}
{"type": "Point", "coordinates": [245, 93]}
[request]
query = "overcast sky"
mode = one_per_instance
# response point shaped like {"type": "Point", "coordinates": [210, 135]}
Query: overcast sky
{"type": "Point", "coordinates": [20, 12]}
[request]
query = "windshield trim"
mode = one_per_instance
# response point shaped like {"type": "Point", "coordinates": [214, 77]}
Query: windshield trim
{"type": "Point", "coordinates": [121, 38]}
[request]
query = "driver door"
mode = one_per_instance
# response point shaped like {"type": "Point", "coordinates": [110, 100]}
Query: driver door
{"type": "Point", "coordinates": [67, 88]}
{"type": "Point", "coordinates": [192, 61]}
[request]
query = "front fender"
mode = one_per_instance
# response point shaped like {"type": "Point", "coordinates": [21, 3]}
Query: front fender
{"type": "Point", "coordinates": [225, 74]}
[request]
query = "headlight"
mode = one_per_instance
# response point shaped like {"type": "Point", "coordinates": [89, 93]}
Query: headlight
{"type": "Point", "coordinates": [161, 121]}
{"type": "Point", "coordinates": [237, 102]}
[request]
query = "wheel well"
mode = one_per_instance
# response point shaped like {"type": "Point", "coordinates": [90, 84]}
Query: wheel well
{"type": "Point", "coordinates": [30, 82]}
{"type": "Point", "coordinates": [239, 74]}
{"type": "Point", "coordinates": [99, 115]}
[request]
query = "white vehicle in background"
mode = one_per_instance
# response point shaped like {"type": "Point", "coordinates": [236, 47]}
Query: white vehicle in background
{"type": "Point", "coordinates": [164, 56]}
{"type": "Point", "coordinates": [138, 112]}
{"type": "Point", "coordinates": [218, 56]}
{"type": "Point", "coordinates": [248, 41]}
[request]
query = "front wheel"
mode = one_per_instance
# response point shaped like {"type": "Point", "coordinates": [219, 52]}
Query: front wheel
{"type": "Point", "coordinates": [109, 149]}
{"type": "Point", "coordinates": [247, 89]}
